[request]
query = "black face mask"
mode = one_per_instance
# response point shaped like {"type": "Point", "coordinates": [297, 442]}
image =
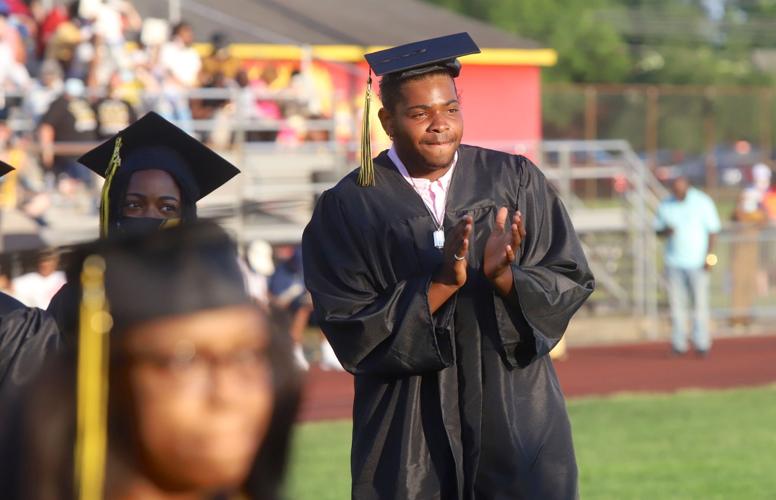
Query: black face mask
{"type": "Point", "coordinates": [143, 225]}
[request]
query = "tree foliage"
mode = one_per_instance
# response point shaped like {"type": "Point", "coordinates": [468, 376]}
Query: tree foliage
{"type": "Point", "coordinates": [640, 41]}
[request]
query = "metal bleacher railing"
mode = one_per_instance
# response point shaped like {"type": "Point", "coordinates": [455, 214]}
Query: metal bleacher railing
{"type": "Point", "coordinates": [610, 193]}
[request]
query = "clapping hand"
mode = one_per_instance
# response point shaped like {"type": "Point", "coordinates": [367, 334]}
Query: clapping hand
{"type": "Point", "coordinates": [455, 254]}
{"type": "Point", "coordinates": [501, 250]}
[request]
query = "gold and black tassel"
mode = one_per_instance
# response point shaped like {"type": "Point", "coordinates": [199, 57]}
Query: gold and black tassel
{"type": "Point", "coordinates": [92, 382]}
{"type": "Point", "coordinates": [113, 166]}
{"type": "Point", "coordinates": [366, 173]}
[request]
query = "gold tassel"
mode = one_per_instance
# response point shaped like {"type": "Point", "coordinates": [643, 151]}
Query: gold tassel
{"type": "Point", "coordinates": [366, 173]}
{"type": "Point", "coordinates": [92, 383]}
{"type": "Point", "coordinates": [115, 163]}
{"type": "Point", "coordinates": [168, 223]}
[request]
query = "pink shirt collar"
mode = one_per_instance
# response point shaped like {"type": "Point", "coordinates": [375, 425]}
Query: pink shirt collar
{"type": "Point", "coordinates": [418, 181]}
{"type": "Point", "coordinates": [433, 193]}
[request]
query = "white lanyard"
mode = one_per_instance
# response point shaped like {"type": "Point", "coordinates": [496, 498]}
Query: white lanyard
{"type": "Point", "coordinates": [439, 234]}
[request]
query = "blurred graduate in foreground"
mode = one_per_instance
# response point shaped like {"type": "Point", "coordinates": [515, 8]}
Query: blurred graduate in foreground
{"type": "Point", "coordinates": [443, 274]}
{"type": "Point", "coordinates": [177, 388]}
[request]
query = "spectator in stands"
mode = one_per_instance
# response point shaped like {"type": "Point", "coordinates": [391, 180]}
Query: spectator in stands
{"type": "Point", "coordinates": [23, 188]}
{"type": "Point", "coordinates": [70, 118]}
{"type": "Point", "coordinates": [290, 295]}
{"type": "Point", "coordinates": [768, 254]}
{"type": "Point", "coordinates": [316, 133]}
{"type": "Point", "coordinates": [258, 266]}
{"type": "Point", "coordinates": [267, 108]}
{"type": "Point", "coordinates": [23, 20]}
{"type": "Point", "coordinates": [10, 34]}
{"type": "Point", "coordinates": [48, 22]}
{"type": "Point", "coordinates": [114, 19]}
{"type": "Point", "coordinates": [689, 221]}
{"type": "Point", "coordinates": [13, 75]}
{"type": "Point", "coordinates": [113, 113]}
{"type": "Point", "coordinates": [36, 289]}
{"type": "Point", "coordinates": [72, 43]}
{"type": "Point", "coordinates": [749, 217]}
{"type": "Point", "coordinates": [769, 196]}
{"type": "Point", "coordinates": [180, 66]}
{"type": "Point", "coordinates": [45, 90]}
{"type": "Point", "coordinates": [220, 70]}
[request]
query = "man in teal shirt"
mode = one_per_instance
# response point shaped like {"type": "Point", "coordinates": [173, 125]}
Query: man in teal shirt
{"type": "Point", "coordinates": [689, 220]}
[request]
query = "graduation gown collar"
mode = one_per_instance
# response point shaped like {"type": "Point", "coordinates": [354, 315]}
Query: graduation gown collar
{"type": "Point", "coordinates": [388, 175]}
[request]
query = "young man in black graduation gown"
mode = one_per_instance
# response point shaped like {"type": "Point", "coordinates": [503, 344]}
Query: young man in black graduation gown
{"type": "Point", "coordinates": [455, 396]}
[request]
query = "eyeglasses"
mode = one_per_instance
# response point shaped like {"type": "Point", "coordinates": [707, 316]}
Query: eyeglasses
{"type": "Point", "coordinates": [186, 367]}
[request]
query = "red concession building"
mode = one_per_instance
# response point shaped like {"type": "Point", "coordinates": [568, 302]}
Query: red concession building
{"type": "Point", "coordinates": [500, 88]}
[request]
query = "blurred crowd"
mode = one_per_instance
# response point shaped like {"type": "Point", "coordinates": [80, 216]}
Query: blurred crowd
{"type": "Point", "coordinates": [78, 73]}
{"type": "Point", "coordinates": [274, 279]}
{"type": "Point", "coordinates": [276, 282]}
{"type": "Point", "coordinates": [753, 263]}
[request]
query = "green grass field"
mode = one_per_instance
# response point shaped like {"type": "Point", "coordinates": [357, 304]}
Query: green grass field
{"type": "Point", "coordinates": [690, 445]}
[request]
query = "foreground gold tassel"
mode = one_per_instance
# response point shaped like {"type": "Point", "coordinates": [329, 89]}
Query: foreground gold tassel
{"type": "Point", "coordinates": [366, 173]}
{"type": "Point", "coordinates": [115, 163]}
{"type": "Point", "coordinates": [92, 382]}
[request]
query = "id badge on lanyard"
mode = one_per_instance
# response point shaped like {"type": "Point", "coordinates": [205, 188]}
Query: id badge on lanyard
{"type": "Point", "coordinates": [439, 238]}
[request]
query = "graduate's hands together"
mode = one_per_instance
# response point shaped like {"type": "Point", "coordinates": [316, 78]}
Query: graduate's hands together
{"type": "Point", "coordinates": [501, 250]}
{"type": "Point", "coordinates": [455, 254]}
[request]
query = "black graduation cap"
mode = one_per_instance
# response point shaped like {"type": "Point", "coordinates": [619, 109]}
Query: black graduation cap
{"type": "Point", "coordinates": [151, 132]}
{"type": "Point", "coordinates": [181, 270]}
{"type": "Point", "coordinates": [406, 61]}
{"type": "Point", "coordinates": [417, 58]}
{"type": "Point", "coordinates": [5, 168]}
{"type": "Point", "coordinates": [153, 142]}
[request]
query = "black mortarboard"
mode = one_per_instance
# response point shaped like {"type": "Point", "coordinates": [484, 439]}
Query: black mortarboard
{"type": "Point", "coordinates": [5, 168]}
{"type": "Point", "coordinates": [182, 270]}
{"type": "Point", "coordinates": [417, 58]}
{"type": "Point", "coordinates": [154, 143]}
{"type": "Point", "coordinates": [406, 61]}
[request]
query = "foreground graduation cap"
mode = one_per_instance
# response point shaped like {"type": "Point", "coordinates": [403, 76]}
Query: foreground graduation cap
{"type": "Point", "coordinates": [155, 143]}
{"type": "Point", "coordinates": [181, 270]}
{"type": "Point", "coordinates": [407, 61]}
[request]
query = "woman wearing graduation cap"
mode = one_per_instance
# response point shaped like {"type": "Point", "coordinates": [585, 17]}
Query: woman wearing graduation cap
{"type": "Point", "coordinates": [153, 405]}
{"type": "Point", "coordinates": [155, 173]}
{"type": "Point", "coordinates": [443, 274]}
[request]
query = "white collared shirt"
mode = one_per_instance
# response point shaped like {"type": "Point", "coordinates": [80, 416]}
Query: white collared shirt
{"type": "Point", "coordinates": [433, 193]}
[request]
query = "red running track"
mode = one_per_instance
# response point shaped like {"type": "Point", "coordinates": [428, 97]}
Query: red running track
{"type": "Point", "coordinates": [647, 367]}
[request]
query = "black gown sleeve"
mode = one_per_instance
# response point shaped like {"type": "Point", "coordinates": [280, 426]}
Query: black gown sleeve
{"type": "Point", "coordinates": [27, 337]}
{"type": "Point", "coordinates": [63, 308]}
{"type": "Point", "coordinates": [375, 326]}
{"type": "Point", "coordinates": [9, 304]}
{"type": "Point", "coordinates": [552, 278]}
